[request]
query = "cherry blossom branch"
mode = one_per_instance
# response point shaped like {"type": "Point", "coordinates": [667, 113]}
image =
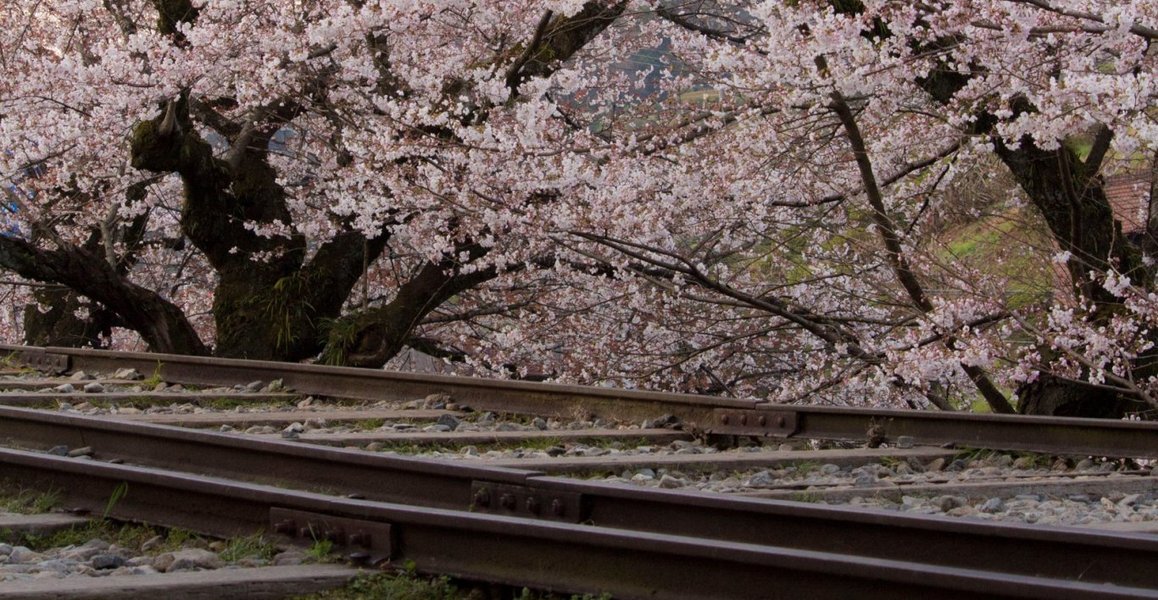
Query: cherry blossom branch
{"type": "Point", "coordinates": [814, 324]}
{"type": "Point", "coordinates": [560, 39]}
{"type": "Point", "coordinates": [880, 217]}
{"type": "Point", "coordinates": [1135, 28]}
{"type": "Point", "coordinates": [900, 174]}
{"type": "Point", "coordinates": [513, 75]}
{"type": "Point", "coordinates": [946, 336]}
{"type": "Point", "coordinates": [33, 284]}
{"type": "Point", "coordinates": [1125, 384]}
{"type": "Point", "coordinates": [682, 20]}
{"type": "Point", "coordinates": [161, 323]}
{"type": "Point", "coordinates": [1042, 32]}
{"type": "Point", "coordinates": [846, 372]}
{"type": "Point", "coordinates": [894, 254]}
{"type": "Point", "coordinates": [116, 8]}
{"type": "Point", "coordinates": [441, 316]}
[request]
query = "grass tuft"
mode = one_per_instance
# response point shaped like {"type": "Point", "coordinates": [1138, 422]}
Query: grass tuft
{"type": "Point", "coordinates": [127, 535]}
{"type": "Point", "coordinates": [408, 585]}
{"type": "Point", "coordinates": [250, 546]}
{"type": "Point", "coordinates": [17, 499]}
{"type": "Point", "coordinates": [388, 586]}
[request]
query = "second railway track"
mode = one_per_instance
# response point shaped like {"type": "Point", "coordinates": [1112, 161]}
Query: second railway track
{"type": "Point", "coordinates": [516, 523]}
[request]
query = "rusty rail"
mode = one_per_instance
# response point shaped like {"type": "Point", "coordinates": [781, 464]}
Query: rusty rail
{"type": "Point", "coordinates": [1054, 435]}
{"type": "Point", "coordinates": [551, 556]}
{"type": "Point", "coordinates": [1121, 558]}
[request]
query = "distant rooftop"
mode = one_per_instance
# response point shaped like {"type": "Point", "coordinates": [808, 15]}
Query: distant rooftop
{"type": "Point", "coordinates": [1129, 195]}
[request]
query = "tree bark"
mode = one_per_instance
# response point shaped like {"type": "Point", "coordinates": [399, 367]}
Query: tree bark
{"type": "Point", "coordinates": [160, 323]}
{"type": "Point", "coordinates": [1073, 202]}
{"type": "Point", "coordinates": [269, 302]}
{"type": "Point", "coordinates": [1070, 195]}
{"type": "Point", "coordinates": [370, 338]}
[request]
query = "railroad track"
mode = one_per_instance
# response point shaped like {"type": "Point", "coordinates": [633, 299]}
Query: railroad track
{"type": "Point", "coordinates": [513, 519]}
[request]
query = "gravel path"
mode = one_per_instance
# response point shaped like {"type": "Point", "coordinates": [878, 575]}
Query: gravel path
{"type": "Point", "coordinates": [814, 482]}
{"type": "Point", "coordinates": [98, 557]}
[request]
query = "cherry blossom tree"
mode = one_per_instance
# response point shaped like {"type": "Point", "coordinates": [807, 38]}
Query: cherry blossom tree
{"type": "Point", "coordinates": [837, 126]}
{"type": "Point", "coordinates": [733, 197]}
{"type": "Point", "coordinates": [280, 151]}
{"type": "Point", "coordinates": [781, 240]}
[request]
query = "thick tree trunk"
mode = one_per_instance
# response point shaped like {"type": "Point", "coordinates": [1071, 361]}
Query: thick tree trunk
{"type": "Point", "coordinates": [253, 320]}
{"type": "Point", "coordinates": [1073, 202]}
{"type": "Point", "coordinates": [1071, 197]}
{"type": "Point", "coordinates": [374, 336]}
{"type": "Point", "coordinates": [269, 303]}
{"type": "Point", "coordinates": [1052, 396]}
{"type": "Point", "coordinates": [269, 314]}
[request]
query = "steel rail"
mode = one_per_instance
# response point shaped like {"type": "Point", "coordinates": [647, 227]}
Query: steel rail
{"type": "Point", "coordinates": [38, 399]}
{"type": "Point", "coordinates": [523, 552]}
{"type": "Point", "coordinates": [1121, 558]}
{"type": "Point", "coordinates": [728, 416]}
{"type": "Point", "coordinates": [372, 384]}
{"type": "Point", "coordinates": [1051, 435]}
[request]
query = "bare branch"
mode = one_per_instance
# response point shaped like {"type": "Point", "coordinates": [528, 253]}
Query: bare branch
{"type": "Point", "coordinates": [513, 77]}
{"type": "Point", "coordinates": [814, 324]}
{"type": "Point", "coordinates": [1099, 149]}
{"type": "Point", "coordinates": [682, 20]}
{"type": "Point", "coordinates": [116, 8]}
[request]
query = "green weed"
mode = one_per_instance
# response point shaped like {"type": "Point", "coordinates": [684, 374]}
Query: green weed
{"type": "Point", "coordinates": [155, 379]}
{"type": "Point", "coordinates": [408, 585]}
{"type": "Point", "coordinates": [224, 403]}
{"type": "Point", "coordinates": [11, 361]}
{"type": "Point", "coordinates": [391, 586]}
{"type": "Point", "coordinates": [122, 534]}
{"type": "Point", "coordinates": [16, 499]}
{"type": "Point", "coordinates": [1036, 461]}
{"type": "Point", "coordinates": [320, 550]}
{"type": "Point", "coordinates": [118, 493]}
{"type": "Point", "coordinates": [806, 467]}
{"type": "Point", "coordinates": [891, 462]}
{"type": "Point", "coordinates": [250, 546]}
{"type": "Point", "coordinates": [810, 497]}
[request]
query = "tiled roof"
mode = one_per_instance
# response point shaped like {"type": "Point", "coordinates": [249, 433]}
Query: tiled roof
{"type": "Point", "coordinates": [1128, 194]}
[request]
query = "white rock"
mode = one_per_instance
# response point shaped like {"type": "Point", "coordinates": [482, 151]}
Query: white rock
{"type": "Point", "coordinates": [187, 559]}
{"type": "Point", "coordinates": [23, 555]}
{"type": "Point", "coordinates": [130, 374]}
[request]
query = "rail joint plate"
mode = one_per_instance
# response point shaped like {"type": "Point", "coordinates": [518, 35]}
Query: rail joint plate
{"type": "Point", "coordinates": [763, 423]}
{"type": "Point", "coordinates": [526, 501]}
{"type": "Point", "coordinates": [44, 361]}
{"type": "Point", "coordinates": [363, 541]}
